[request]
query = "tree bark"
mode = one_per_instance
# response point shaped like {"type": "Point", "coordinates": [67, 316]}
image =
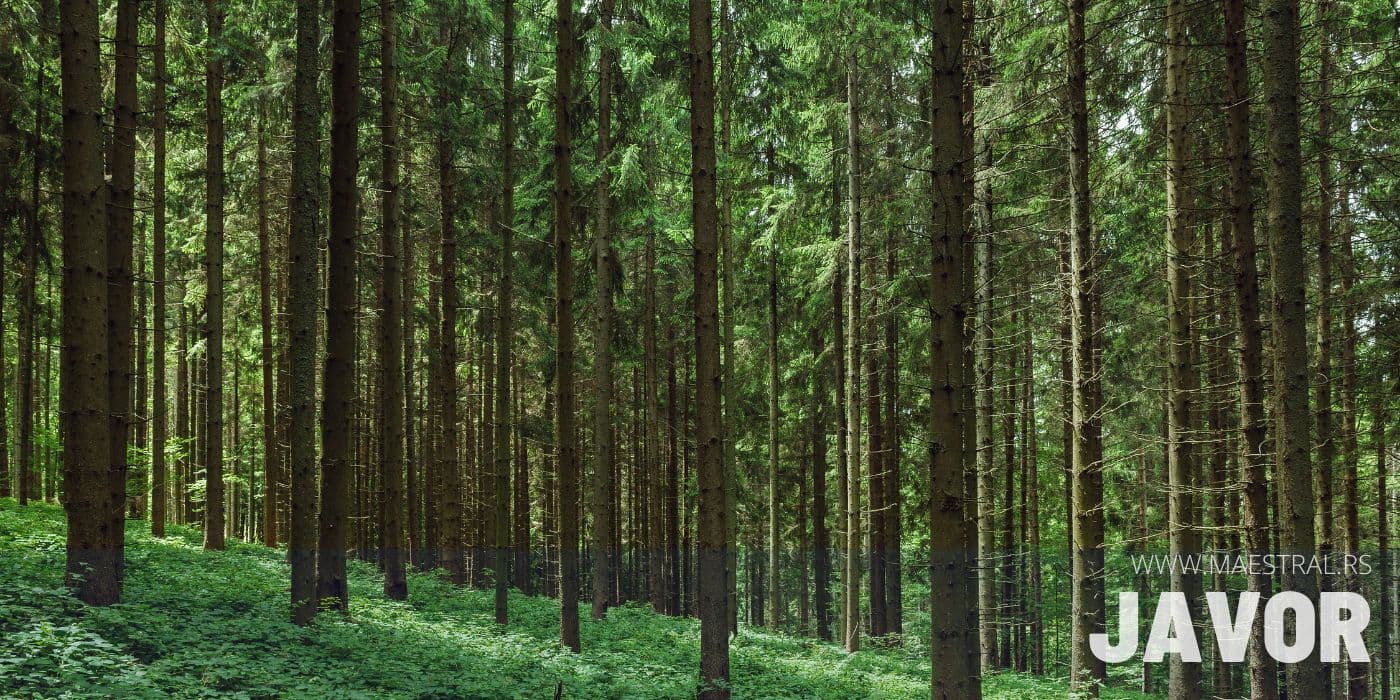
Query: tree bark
{"type": "Point", "coordinates": [214, 281]}
{"type": "Point", "coordinates": [566, 433]}
{"type": "Point", "coordinates": [1284, 180]}
{"type": "Point", "coordinates": [1263, 677]}
{"type": "Point", "coordinates": [93, 563]}
{"type": "Point", "coordinates": [304, 210]}
{"type": "Point", "coordinates": [338, 391]}
{"type": "Point", "coordinates": [954, 672]}
{"type": "Point", "coordinates": [714, 623]}
{"type": "Point", "coordinates": [774, 542]}
{"type": "Point", "coordinates": [1086, 671]}
{"type": "Point", "coordinates": [851, 595]}
{"type": "Point", "coordinates": [120, 216]}
{"type": "Point", "coordinates": [391, 341]}
{"type": "Point", "coordinates": [604, 556]}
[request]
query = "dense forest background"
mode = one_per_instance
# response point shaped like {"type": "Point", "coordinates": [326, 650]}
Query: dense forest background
{"type": "Point", "coordinates": [899, 325]}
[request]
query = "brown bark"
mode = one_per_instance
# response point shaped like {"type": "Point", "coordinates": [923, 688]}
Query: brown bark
{"type": "Point", "coordinates": [954, 671]}
{"type": "Point", "coordinates": [304, 209]}
{"type": "Point", "coordinates": [566, 430]}
{"type": "Point", "coordinates": [93, 555]}
{"type": "Point", "coordinates": [121, 190]}
{"type": "Point", "coordinates": [213, 406]}
{"type": "Point", "coordinates": [714, 623]}
{"type": "Point", "coordinates": [605, 557]}
{"type": "Point", "coordinates": [391, 341]}
{"type": "Point", "coordinates": [1086, 671]}
{"type": "Point", "coordinates": [1284, 179]}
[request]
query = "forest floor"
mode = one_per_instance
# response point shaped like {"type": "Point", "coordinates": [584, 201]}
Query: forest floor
{"type": "Point", "coordinates": [214, 624]}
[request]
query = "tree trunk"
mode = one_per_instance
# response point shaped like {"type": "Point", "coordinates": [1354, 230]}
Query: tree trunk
{"type": "Point", "coordinates": [28, 486]}
{"type": "Point", "coordinates": [1086, 671]}
{"type": "Point", "coordinates": [954, 672]}
{"type": "Point", "coordinates": [604, 556]}
{"type": "Point", "coordinates": [984, 409]}
{"type": "Point", "coordinates": [774, 543]}
{"type": "Point", "coordinates": [304, 210]}
{"type": "Point", "coordinates": [1284, 179]}
{"type": "Point", "coordinates": [269, 409]}
{"type": "Point", "coordinates": [214, 281]}
{"type": "Point", "coordinates": [93, 556]}
{"type": "Point", "coordinates": [714, 623]}
{"type": "Point", "coordinates": [338, 391]}
{"type": "Point", "coordinates": [391, 341]}
{"type": "Point", "coordinates": [121, 165]}
{"type": "Point", "coordinates": [1378, 426]}
{"type": "Point", "coordinates": [505, 327]}
{"type": "Point", "coordinates": [851, 596]}
{"type": "Point", "coordinates": [1263, 678]}
{"type": "Point", "coordinates": [821, 540]}
{"type": "Point", "coordinates": [449, 476]}
{"type": "Point", "coordinates": [1183, 473]}
{"type": "Point", "coordinates": [566, 433]}
{"type": "Point", "coordinates": [894, 494]}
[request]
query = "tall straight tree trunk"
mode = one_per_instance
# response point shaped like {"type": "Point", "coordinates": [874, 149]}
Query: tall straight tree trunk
{"type": "Point", "coordinates": [671, 501]}
{"type": "Point", "coordinates": [566, 430]}
{"type": "Point", "coordinates": [1031, 487]}
{"type": "Point", "coordinates": [728, 69]}
{"type": "Point", "coordinates": [894, 494]}
{"type": "Point", "coordinates": [391, 341]}
{"type": "Point", "coordinates": [214, 280]}
{"type": "Point", "coordinates": [183, 392]}
{"type": "Point", "coordinates": [875, 453]}
{"type": "Point", "coordinates": [28, 485]}
{"type": "Point", "coordinates": [604, 556]}
{"type": "Point", "coordinates": [1358, 676]}
{"type": "Point", "coordinates": [304, 210]}
{"type": "Point", "coordinates": [121, 198]}
{"type": "Point", "coordinates": [838, 298]}
{"type": "Point", "coordinates": [714, 623]}
{"type": "Point", "coordinates": [1183, 380]}
{"type": "Point", "coordinates": [656, 581]}
{"type": "Point", "coordinates": [1006, 554]}
{"type": "Point", "coordinates": [821, 539]}
{"type": "Point", "coordinates": [1326, 444]}
{"type": "Point", "coordinates": [449, 475]}
{"type": "Point", "coordinates": [851, 596]}
{"type": "Point", "coordinates": [413, 538]}
{"type": "Point", "coordinates": [1284, 178]}
{"type": "Point", "coordinates": [524, 577]}
{"type": "Point", "coordinates": [1378, 426]}
{"type": "Point", "coordinates": [774, 543]}
{"type": "Point", "coordinates": [954, 668]}
{"type": "Point", "coordinates": [93, 557]}
{"type": "Point", "coordinates": [271, 462]}
{"type": "Point", "coordinates": [1086, 670]}
{"type": "Point", "coordinates": [985, 369]}
{"type": "Point", "coordinates": [338, 390]}
{"type": "Point", "coordinates": [1263, 677]}
{"type": "Point", "coordinates": [505, 322]}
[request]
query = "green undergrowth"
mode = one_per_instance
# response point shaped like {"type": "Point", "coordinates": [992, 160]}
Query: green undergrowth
{"type": "Point", "coordinates": [214, 624]}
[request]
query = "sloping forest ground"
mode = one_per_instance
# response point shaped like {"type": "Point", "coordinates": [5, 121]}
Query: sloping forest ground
{"type": "Point", "coordinates": [195, 623]}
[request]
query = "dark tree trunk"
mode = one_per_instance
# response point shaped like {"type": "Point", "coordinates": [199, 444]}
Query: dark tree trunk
{"type": "Point", "coordinates": [93, 555]}
{"type": "Point", "coordinates": [604, 556]}
{"type": "Point", "coordinates": [304, 210]}
{"type": "Point", "coordinates": [714, 625]}
{"type": "Point", "coordinates": [391, 342]}
{"type": "Point", "coordinates": [566, 431]}
{"type": "Point", "coordinates": [213, 406]}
